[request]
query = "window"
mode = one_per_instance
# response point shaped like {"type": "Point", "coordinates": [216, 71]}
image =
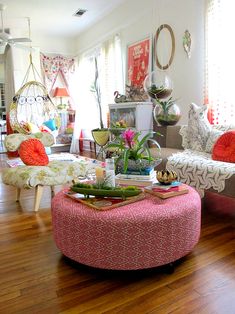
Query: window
{"type": "Point", "coordinates": [220, 61]}
{"type": "Point", "coordinates": [109, 62]}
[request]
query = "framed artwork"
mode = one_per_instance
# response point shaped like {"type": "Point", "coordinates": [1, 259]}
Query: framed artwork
{"type": "Point", "coordinates": [139, 56]}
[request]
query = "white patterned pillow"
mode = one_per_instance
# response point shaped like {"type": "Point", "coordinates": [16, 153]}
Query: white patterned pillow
{"type": "Point", "coordinates": [198, 127]}
{"type": "Point", "coordinates": [214, 135]}
{"type": "Point", "coordinates": [184, 133]}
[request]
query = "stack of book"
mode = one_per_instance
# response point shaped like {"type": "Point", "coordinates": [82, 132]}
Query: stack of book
{"type": "Point", "coordinates": [166, 191]}
{"type": "Point", "coordinates": [143, 178]}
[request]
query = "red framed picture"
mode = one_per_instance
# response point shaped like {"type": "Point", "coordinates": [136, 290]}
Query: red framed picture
{"type": "Point", "coordinates": [138, 65]}
{"type": "Point", "coordinates": [138, 62]}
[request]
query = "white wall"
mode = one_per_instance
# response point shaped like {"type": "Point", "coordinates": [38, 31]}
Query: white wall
{"type": "Point", "coordinates": [44, 44]}
{"type": "Point", "coordinates": [135, 19]}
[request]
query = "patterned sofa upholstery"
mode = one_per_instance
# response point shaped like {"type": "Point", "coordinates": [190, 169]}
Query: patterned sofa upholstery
{"type": "Point", "coordinates": [194, 167]}
{"type": "Point", "coordinates": [55, 173]}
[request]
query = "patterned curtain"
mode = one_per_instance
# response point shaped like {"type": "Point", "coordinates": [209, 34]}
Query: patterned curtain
{"type": "Point", "coordinates": [52, 66]}
{"type": "Point", "coordinates": [220, 61]}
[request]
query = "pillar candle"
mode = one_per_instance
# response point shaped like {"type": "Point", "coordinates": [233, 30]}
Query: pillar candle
{"type": "Point", "coordinates": [99, 172]}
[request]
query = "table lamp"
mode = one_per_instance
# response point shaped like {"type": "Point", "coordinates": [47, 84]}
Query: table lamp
{"type": "Point", "coordinates": [61, 92]}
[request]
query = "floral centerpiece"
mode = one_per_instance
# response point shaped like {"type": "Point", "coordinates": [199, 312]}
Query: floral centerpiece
{"type": "Point", "coordinates": [133, 152]}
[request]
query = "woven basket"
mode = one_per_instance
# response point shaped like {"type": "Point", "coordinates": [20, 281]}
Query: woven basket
{"type": "Point", "coordinates": [32, 104]}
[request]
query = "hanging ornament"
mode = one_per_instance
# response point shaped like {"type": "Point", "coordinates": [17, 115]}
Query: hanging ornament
{"type": "Point", "coordinates": [187, 42]}
{"type": "Point", "coordinates": [172, 51]}
{"type": "Point", "coordinates": [158, 85]}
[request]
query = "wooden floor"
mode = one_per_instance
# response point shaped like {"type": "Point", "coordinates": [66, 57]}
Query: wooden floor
{"type": "Point", "coordinates": [36, 278]}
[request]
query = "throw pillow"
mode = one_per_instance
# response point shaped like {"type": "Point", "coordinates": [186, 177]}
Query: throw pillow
{"type": "Point", "coordinates": [213, 137]}
{"type": "Point", "coordinates": [44, 128]}
{"type": "Point", "coordinates": [198, 127]}
{"type": "Point", "coordinates": [224, 148]}
{"type": "Point", "coordinates": [33, 128]}
{"type": "Point", "coordinates": [50, 124]}
{"type": "Point", "coordinates": [184, 133]}
{"type": "Point", "coordinates": [32, 153]}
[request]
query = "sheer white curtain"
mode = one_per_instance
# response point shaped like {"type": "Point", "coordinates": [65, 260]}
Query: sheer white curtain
{"type": "Point", "coordinates": [109, 61]}
{"type": "Point", "coordinates": [86, 111]}
{"type": "Point", "coordinates": [220, 61]}
{"type": "Point", "coordinates": [111, 72]}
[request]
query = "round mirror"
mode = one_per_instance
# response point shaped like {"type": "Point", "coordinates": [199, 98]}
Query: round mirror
{"type": "Point", "coordinates": [164, 38]}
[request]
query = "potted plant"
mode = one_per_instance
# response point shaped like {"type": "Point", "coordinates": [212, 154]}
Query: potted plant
{"type": "Point", "coordinates": [133, 152]}
{"type": "Point", "coordinates": [166, 112]}
{"type": "Point", "coordinates": [100, 135]}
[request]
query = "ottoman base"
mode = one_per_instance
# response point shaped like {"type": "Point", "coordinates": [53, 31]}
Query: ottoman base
{"type": "Point", "coordinates": [146, 234]}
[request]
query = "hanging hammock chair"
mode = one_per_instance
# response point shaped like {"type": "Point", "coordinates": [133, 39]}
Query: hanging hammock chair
{"type": "Point", "coordinates": [32, 105]}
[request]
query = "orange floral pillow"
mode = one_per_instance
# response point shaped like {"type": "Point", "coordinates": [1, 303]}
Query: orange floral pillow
{"type": "Point", "coordinates": [32, 153]}
{"type": "Point", "coordinates": [224, 148]}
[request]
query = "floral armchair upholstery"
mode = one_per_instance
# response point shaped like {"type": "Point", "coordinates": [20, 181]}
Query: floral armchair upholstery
{"type": "Point", "coordinates": [55, 173]}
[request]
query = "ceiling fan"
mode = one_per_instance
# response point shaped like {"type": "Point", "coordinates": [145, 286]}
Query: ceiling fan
{"type": "Point", "coordinates": [6, 39]}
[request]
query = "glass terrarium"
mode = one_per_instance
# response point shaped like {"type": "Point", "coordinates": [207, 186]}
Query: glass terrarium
{"type": "Point", "coordinates": [158, 85]}
{"type": "Point", "coordinates": [166, 112]}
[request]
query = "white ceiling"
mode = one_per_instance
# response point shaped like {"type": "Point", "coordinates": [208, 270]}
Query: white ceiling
{"type": "Point", "coordinates": [55, 17]}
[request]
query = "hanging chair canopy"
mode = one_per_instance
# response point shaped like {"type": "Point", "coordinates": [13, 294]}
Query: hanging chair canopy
{"type": "Point", "coordinates": [32, 104]}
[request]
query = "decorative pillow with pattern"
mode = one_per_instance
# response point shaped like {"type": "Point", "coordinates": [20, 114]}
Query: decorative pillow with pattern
{"type": "Point", "coordinates": [198, 128]}
{"type": "Point", "coordinates": [184, 133]}
{"type": "Point", "coordinates": [213, 137]}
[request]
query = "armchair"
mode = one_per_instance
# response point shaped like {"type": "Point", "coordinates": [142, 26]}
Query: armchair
{"type": "Point", "coordinates": [55, 173]}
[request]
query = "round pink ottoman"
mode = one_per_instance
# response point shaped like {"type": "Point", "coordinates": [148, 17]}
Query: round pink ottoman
{"type": "Point", "coordinates": [148, 233]}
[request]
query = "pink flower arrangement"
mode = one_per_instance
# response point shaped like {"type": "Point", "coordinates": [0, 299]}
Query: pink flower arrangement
{"type": "Point", "coordinates": [129, 146]}
{"type": "Point", "coordinates": [128, 137]}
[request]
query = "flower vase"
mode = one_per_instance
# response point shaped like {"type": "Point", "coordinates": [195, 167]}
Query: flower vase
{"type": "Point", "coordinates": [140, 166]}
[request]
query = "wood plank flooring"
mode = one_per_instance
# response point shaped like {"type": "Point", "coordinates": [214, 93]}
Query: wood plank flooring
{"type": "Point", "coordinates": [36, 278]}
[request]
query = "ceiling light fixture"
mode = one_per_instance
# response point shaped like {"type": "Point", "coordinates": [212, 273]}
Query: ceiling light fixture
{"type": "Point", "coordinates": [79, 12]}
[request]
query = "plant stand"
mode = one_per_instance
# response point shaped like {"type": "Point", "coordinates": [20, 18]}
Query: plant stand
{"type": "Point", "coordinates": [101, 138]}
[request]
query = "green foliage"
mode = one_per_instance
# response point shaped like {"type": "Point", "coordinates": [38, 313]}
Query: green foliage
{"type": "Point", "coordinates": [131, 147]}
{"type": "Point", "coordinates": [166, 105]}
{"type": "Point", "coordinates": [104, 187]}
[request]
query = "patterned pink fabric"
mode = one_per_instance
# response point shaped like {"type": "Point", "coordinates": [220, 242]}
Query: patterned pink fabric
{"type": "Point", "coordinates": [148, 233]}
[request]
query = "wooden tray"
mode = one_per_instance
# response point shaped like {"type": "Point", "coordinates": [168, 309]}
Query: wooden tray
{"type": "Point", "coordinates": [104, 203]}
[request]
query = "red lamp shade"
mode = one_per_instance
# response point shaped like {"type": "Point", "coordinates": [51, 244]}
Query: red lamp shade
{"type": "Point", "coordinates": [61, 92]}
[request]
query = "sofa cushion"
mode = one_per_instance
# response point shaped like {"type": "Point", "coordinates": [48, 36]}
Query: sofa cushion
{"type": "Point", "coordinates": [198, 128]}
{"type": "Point", "coordinates": [55, 173]}
{"type": "Point", "coordinates": [200, 171]}
{"type": "Point", "coordinates": [12, 142]}
{"type": "Point", "coordinates": [213, 137]}
{"type": "Point", "coordinates": [165, 153]}
{"type": "Point", "coordinates": [50, 124]}
{"type": "Point", "coordinates": [184, 133]}
{"type": "Point", "coordinates": [224, 148]}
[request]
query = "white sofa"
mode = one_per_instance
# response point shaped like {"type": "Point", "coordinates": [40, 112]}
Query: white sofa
{"type": "Point", "coordinates": [194, 167]}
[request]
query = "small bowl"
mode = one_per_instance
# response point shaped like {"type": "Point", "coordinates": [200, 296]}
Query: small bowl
{"type": "Point", "coordinates": [166, 177]}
